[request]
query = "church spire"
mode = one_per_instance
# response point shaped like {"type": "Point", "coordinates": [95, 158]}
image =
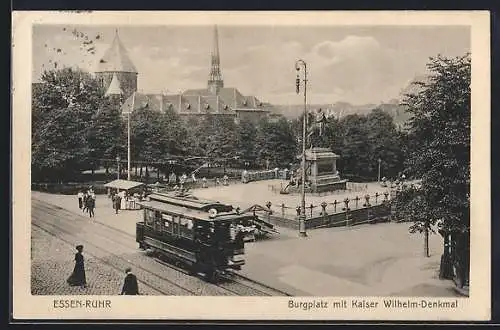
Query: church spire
{"type": "Point", "coordinates": [215, 81]}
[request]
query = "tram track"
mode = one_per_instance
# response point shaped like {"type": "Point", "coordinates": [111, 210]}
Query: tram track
{"type": "Point", "coordinates": [115, 261]}
{"type": "Point", "coordinates": [232, 284]}
{"type": "Point", "coordinates": [110, 252]}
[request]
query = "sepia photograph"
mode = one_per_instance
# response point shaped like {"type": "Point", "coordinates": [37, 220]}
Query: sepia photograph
{"type": "Point", "coordinates": [324, 164]}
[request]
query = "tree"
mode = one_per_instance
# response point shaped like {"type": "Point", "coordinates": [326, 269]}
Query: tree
{"type": "Point", "coordinates": [355, 146]}
{"type": "Point", "coordinates": [147, 135]}
{"type": "Point", "coordinates": [276, 143]}
{"type": "Point", "coordinates": [440, 130]}
{"type": "Point", "coordinates": [246, 137]}
{"type": "Point", "coordinates": [385, 144]}
{"type": "Point", "coordinates": [63, 107]}
{"type": "Point", "coordinates": [174, 134]}
{"type": "Point", "coordinates": [105, 138]}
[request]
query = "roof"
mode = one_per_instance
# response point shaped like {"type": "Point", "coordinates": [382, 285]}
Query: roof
{"type": "Point", "coordinates": [169, 208]}
{"type": "Point", "coordinates": [191, 202]}
{"type": "Point", "coordinates": [228, 101]}
{"type": "Point", "coordinates": [191, 213]}
{"type": "Point", "coordinates": [116, 59]}
{"type": "Point", "coordinates": [123, 184]}
{"type": "Point", "coordinates": [114, 87]}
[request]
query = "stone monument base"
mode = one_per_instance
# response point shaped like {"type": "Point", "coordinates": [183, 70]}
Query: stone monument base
{"type": "Point", "coordinates": [321, 171]}
{"type": "Point", "coordinates": [325, 187]}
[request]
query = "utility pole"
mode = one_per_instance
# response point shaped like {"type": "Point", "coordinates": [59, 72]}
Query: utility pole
{"type": "Point", "coordinates": [118, 163]}
{"type": "Point", "coordinates": [379, 161]}
{"type": "Point", "coordinates": [302, 216]}
{"type": "Point", "coordinates": [128, 136]}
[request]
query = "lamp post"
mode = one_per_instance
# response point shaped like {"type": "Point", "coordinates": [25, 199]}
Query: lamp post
{"type": "Point", "coordinates": [379, 161]}
{"type": "Point", "coordinates": [118, 165]}
{"type": "Point", "coordinates": [302, 216]}
{"type": "Point", "coordinates": [128, 136]}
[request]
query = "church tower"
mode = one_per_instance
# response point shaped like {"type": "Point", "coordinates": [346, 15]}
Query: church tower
{"type": "Point", "coordinates": [115, 68]}
{"type": "Point", "coordinates": [215, 82]}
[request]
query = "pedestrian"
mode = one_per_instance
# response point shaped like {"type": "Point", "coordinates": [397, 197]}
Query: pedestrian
{"type": "Point", "coordinates": [90, 205]}
{"type": "Point", "coordinates": [80, 199]}
{"type": "Point", "coordinates": [85, 198]}
{"type": "Point", "coordinates": [130, 286]}
{"type": "Point", "coordinates": [118, 203]}
{"type": "Point", "coordinates": [78, 278]}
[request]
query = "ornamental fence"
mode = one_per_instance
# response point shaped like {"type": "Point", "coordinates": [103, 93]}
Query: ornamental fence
{"type": "Point", "coordinates": [347, 212]}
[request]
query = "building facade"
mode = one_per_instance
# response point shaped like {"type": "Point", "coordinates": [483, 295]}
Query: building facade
{"type": "Point", "coordinates": [118, 75]}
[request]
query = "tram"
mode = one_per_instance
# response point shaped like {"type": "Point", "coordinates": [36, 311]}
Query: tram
{"type": "Point", "coordinates": [202, 235]}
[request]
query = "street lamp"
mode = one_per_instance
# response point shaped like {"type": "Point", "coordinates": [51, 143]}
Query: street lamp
{"type": "Point", "coordinates": [302, 216]}
{"type": "Point", "coordinates": [118, 163]}
{"type": "Point", "coordinates": [379, 161]}
{"type": "Point", "coordinates": [128, 136]}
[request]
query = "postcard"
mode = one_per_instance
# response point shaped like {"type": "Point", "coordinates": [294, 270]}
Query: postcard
{"type": "Point", "coordinates": [251, 165]}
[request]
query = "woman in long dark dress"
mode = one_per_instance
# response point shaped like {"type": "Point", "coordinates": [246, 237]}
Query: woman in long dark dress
{"type": "Point", "coordinates": [78, 278]}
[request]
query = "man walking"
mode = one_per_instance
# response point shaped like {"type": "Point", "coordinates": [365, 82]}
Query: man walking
{"type": "Point", "coordinates": [91, 205]}
{"type": "Point", "coordinates": [80, 199]}
{"type": "Point", "coordinates": [130, 286]}
{"type": "Point", "coordinates": [85, 201]}
{"type": "Point", "coordinates": [118, 203]}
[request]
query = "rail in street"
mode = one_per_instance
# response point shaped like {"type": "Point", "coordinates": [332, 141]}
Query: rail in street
{"type": "Point", "coordinates": [115, 249]}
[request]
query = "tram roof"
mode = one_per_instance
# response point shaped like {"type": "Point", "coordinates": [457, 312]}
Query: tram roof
{"type": "Point", "coordinates": [191, 213]}
{"type": "Point", "coordinates": [192, 203]}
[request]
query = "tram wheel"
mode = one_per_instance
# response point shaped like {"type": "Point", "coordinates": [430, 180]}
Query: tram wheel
{"type": "Point", "coordinates": [213, 276]}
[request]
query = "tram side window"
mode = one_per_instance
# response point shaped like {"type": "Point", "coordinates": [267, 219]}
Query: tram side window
{"type": "Point", "coordinates": [167, 223]}
{"type": "Point", "coordinates": [175, 226]}
{"type": "Point", "coordinates": [158, 221]}
{"type": "Point", "coordinates": [186, 228]}
{"type": "Point", "coordinates": [149, 217]}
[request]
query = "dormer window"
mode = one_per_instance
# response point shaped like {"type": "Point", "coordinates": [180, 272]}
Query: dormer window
{"type": "Point", "coordinates": [245, 103]}
{"type": "Point", "coordinates": [188, 106]}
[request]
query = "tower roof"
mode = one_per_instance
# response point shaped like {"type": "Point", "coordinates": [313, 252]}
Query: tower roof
{"type": "Point", "coordinates": [215, 76]}
{"type": "Point", "coordinates": [114, 87]}
{"type": "Point", "coordinates": [116, 58]}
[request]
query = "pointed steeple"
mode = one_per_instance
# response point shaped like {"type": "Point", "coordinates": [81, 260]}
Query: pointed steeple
{"type": "Point", "coordinates": [215, 81]}
{"type": "Point", "coordinates": [116, 58]}
{"type": "Point", "coordinates": [114, 87]}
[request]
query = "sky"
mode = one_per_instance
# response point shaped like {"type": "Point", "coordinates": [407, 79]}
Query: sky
{"type": "Point", "coordinates": [359, 65]}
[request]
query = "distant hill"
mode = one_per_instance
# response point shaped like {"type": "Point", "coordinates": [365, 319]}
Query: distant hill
{"type": "Point", "coordinates": [342, 109]}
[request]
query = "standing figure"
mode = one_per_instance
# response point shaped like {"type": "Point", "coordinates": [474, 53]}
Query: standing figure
{"type": "Point", "coordinates": [118, 203]}
{"type": "Point", "coordinates": [85, 197]}
{"type": "Point", "coordinates": [80, 199]}
{"type": "Point", "coordinates": [123, 201]}
{"type": "Point", "coordinates": [78, 278]}
{"type": "Point", "coordinates": [130, 286]}
{"type": "Point", "coordinates": [225, 180]}
{"type": "Point", "coordinates": [90, 205]}
{"type": "Point", "coordinates": [204, 182]}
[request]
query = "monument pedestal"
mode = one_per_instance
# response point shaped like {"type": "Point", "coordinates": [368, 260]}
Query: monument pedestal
{"type": "Point", "coordinates": [321, 171]}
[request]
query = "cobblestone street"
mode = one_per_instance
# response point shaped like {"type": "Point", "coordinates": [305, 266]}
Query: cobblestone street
{"type": "Point", "coordinates": [52, 261]}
